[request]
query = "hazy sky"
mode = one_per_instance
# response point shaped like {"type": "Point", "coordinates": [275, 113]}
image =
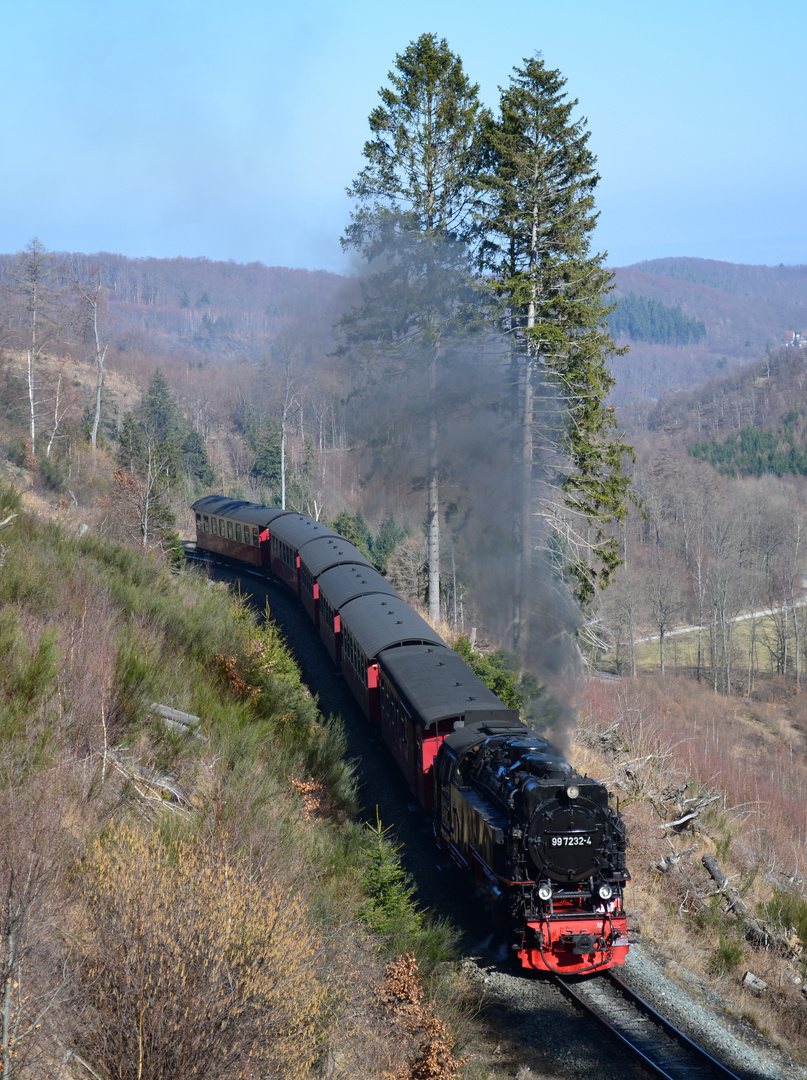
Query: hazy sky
{"type": "Point", "coordinates": [231, 129]}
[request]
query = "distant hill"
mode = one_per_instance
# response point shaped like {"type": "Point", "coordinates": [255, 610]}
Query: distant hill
{"type": "Point", "coordinates": [686, 320]}
{"type": "Point", "coordinates": [746, 311]}
{"type": "Point", "coordinates": [202, 310]}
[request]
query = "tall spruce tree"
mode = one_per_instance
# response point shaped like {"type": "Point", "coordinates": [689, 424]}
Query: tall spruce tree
{"type": "Point", "coordinates": [413, 211]}
{"type": "Point", "coordinates": [536, 218]}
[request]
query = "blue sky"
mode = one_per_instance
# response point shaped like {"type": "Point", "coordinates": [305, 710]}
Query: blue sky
{"type": "Point", "coordinates": [231, 129]}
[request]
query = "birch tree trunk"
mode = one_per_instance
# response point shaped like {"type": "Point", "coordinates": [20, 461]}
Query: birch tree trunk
{"type": "Point", "coordinates": [433, 520]}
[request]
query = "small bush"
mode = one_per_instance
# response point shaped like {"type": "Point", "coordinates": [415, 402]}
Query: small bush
{"type": "Point", "coordinates": [788, 910]}
{"type": "Point", "coordinates": [390, 908]}
{"type": "Point", "coordinates": [727, 956]}
{"type": "Point", "coordinates": [52, 473]}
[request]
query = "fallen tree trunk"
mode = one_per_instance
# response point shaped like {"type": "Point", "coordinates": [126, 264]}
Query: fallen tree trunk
{"type": "Point", "coordinates": [735, 901]}
{"type": "Point", "coordinates": [754, 932]}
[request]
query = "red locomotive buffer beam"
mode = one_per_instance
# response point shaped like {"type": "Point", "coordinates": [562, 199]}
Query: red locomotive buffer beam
{"type": "Point", "coordinates": [573, 944]}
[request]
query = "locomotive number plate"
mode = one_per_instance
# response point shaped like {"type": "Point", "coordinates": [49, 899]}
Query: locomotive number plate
{"type": "Point", "coordinates": [570, 841]}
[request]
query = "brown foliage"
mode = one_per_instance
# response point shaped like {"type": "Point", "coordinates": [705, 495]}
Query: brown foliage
{"type": "Point", "coordinates": [229, 669]}
{"type": "Point", "coordinates": [313, 794]}
{"type": "Point", "coordinates": [403, 996]}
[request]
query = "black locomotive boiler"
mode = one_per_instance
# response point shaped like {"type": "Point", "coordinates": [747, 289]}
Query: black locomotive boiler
{"type": "Point", "coordinates": [541, 840]}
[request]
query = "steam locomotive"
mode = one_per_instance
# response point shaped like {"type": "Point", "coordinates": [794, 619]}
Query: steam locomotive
{"type": "Point", "coordinates": [542, 841]}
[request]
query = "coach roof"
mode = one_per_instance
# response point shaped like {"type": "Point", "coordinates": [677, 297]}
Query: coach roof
{"type": "Point", "coordinates": [325, 551]}
{"type": "Point", "coordinates": [237, 509]}
{"type": "Point", "coordinates": [341, 584]}
{"type": "Point", "coordinates": [380, 622]}
{"type": "Point", "coordinates": [296, 530]}
{"type": "Point", "coordinates": [437, 684]}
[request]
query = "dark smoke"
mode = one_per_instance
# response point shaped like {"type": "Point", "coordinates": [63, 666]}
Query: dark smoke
{"type": "Point", "coordinates": [391, 345]}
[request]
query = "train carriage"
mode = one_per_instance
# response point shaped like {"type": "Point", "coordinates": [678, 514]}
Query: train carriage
{"type": "Point", "coordinates": [371, 624]}
{"type": "Point", "coordinates": [425, 695]}
{"type": "Point", "coordinates": [318, 556]}
{"type": "Point", "coordinates": [235, 529]}
{"type": "Point", "coordinates": [337, 587]}
{"type": "Point", "coordinates": [289, 535]}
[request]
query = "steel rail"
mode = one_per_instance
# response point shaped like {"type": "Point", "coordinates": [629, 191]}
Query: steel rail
{"type": "Point", "coordinates": [664, 1050]}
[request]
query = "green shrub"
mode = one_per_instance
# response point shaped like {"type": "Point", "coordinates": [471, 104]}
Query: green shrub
{"type": "Point", "coordinates": [727, 956]}
{"type": "Point", "coordinates": [52, 473]}
{"type": "Point", "coordinates": [390, 907]}
{"type": "Point", "coordinates": [787, 910]}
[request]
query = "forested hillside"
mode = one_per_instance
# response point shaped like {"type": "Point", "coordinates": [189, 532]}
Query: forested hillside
{"type": "Point", "coordinates": [746, 311]}
{"type": "Point", "coordinates": [639, 319]}
{"type": "Point", "coordinates": [200, 311]}
{"type": "Point", "coordinates": [759, 395]}
{"type": "Point", "coordinates": [686, 319]}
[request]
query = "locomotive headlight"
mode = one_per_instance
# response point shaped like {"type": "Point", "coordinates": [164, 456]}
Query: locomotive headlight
{"type": "Point", "coordinates": [545, 891]}
{"type": "Point", "coordinates": [572, 791]}
{"type": "Point", "coordinates": [606, 892]}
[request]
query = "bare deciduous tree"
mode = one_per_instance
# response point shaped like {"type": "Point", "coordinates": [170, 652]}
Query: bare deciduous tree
{"type": "Point", "coordinates": [143, 492]}
{"type": "Point", "coordinates": [34, 276]}
{"type": "Point", "coordinates": [90, 291]}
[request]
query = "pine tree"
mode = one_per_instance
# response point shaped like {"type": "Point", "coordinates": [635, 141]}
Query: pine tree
{"type": "Point", "coordinates": [159, 413]}
{"type": "Point", "coordinates": [536, 217]}
{"type": "Point", "coordinates": [413, 210]}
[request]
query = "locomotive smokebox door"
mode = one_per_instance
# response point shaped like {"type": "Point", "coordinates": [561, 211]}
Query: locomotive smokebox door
{"type": "Point", "coordinates": [566, 841]}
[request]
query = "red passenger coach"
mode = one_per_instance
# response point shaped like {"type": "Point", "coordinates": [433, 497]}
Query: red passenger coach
{"type": "Point", "coordinates": [427, 693]}
{"type": "Point", "coordinates": [289, 535]}
{"type": "Point", "coordinates": [371, 624]}
{"type": "Point", "coordinates": [234, 528]}
{"type": "Point", "coordinates": [319, 556]}
{"type": "Point", "coordinates": [337, 587]}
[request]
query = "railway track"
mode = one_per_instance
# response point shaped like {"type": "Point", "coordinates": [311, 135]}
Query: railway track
{"type": "Point", "coordinates": [662, 1049]}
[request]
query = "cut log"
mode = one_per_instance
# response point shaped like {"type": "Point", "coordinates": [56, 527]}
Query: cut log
{"type": "Point", "coordinates": [680, 822]}
{"type": "Point", "coordinates": [178, 720]}
{"type": "Point", "coordinates": [735, 901]}
{"type": "Point", "coordinates": [753, 983]}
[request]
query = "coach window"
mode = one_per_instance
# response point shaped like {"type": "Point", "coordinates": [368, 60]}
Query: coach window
{"type": "Point", "coordinates": [198, 521]}
{"type": "Point", "coordinates": [229, 530]}
{"type": "Point", "coordinates": [205, 524]}
{"type": "Point", "coordinates": [238, 532]}
{"type": "Point", "coordinates": [213, 526]}
{"type": "Point", "coordinates": [255, 539]}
